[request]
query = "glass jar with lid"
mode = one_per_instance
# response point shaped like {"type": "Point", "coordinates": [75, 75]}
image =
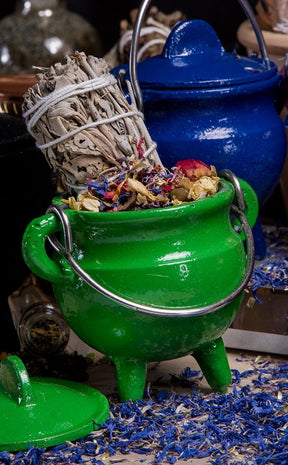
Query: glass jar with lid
{"type": "Point", "coordinates": [42, 32]}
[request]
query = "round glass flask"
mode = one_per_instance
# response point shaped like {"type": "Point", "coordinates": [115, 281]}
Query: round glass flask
{"type": "Point", "coordinates": [40, 33]}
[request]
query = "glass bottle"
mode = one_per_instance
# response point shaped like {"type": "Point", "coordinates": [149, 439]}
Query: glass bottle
{"type": "Point", "coordinates": [41, 327]}
{"type": "Point", "coordinates": [40, 33]}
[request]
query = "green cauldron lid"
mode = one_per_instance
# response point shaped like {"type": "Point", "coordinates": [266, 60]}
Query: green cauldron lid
{"type": "Point", "coordinates": [44, 411]}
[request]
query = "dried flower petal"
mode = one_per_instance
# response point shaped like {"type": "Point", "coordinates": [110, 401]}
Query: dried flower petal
{"type": "Point", "coordinates": [73, 204]}
{"type": "Point", "coordinates": [148, 188]}
{"type": "Point", "coordinates": [180, 193]}
{"type": "Point", "coordinates": [141, 199]}
{"type": "Point", "coordinates": [246, 425]}
{"type": "Point", "coordinates": [203, 187]}
{"type": "Point", "coordinates": [137, 186]}
{"type": "Point", "coordinates": [194, 169]}
{"type": "Point", "coordinates": [91, 205]}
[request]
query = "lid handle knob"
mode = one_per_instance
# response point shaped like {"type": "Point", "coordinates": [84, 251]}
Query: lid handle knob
{"type": "Point", "coordinates": [15, 381]}
{"type": "Point", "coordinates": [192, 38]}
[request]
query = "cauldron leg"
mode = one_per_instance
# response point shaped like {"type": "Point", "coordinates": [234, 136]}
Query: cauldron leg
{"type": "Point", "coordinates": [131, 377]}
{"type": "Point", "coordinates": [212, 359]}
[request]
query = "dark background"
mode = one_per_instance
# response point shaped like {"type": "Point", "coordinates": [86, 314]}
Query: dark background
{"type": "Point", "coordinates": [224, 15]}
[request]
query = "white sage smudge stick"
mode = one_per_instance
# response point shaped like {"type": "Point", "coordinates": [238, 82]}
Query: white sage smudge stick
{"type": "Point", "coordinates": [155, 29]}
{"type": "Point", "coordinates": [82, 122]}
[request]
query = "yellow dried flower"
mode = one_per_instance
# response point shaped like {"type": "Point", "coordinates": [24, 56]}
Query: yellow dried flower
{"type": "Point", "coordinates": [203, 187]}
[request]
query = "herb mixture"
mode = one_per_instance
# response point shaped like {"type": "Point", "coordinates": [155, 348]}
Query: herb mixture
{"type": "Point", "coordinates": [189, 180]}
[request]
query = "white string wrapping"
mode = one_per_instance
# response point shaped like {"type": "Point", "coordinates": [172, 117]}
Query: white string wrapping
{"type": "Point", "coordinates": [110, 149]}
{"type": "Point", "coordinates": [87, 126]}
{"type": "Point", "coordinates": [97, 123]}
{"type": "Point", "coordinates": [149, 44]}
{"type": "Point", "coordinates": [127, 37]}
{"type": "Point", "coordinates": [65, 92]}
{"type": "Point", "coordinates": [71, 91]}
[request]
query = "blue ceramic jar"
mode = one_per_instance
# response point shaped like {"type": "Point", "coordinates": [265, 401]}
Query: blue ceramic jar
{"type": "Point", "coordinates": [205, 103]}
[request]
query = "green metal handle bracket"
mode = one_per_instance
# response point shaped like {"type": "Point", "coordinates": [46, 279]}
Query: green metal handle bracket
{"type": "Point", "coordinates": [35, 253]}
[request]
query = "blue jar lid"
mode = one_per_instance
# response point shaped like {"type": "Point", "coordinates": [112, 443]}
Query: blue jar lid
{"type": "Point", "coordinates": [193, 57]}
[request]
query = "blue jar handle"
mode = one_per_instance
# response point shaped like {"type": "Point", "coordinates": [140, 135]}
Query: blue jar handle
{"type": "Point", "coordinates": [136, 34]}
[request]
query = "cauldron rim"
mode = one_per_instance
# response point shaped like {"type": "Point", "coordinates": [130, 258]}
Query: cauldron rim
{"type": "Point", "coordinates": [225, 194]}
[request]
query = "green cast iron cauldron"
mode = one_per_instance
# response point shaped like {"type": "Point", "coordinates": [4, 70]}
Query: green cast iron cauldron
{"type": "Point", "coordinates": [151, 285]}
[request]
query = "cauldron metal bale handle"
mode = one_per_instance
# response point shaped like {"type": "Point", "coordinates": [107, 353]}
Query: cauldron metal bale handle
{"type": "Point", "coordinates": [136, 34]}
{"type": "Point", "coordinates": [66, 251]}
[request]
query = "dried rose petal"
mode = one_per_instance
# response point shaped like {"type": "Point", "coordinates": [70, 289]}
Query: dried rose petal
{"type": "Point", "coordinates": [109, 195]}
{"type": "Point", "coordinates": [194, 169]}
